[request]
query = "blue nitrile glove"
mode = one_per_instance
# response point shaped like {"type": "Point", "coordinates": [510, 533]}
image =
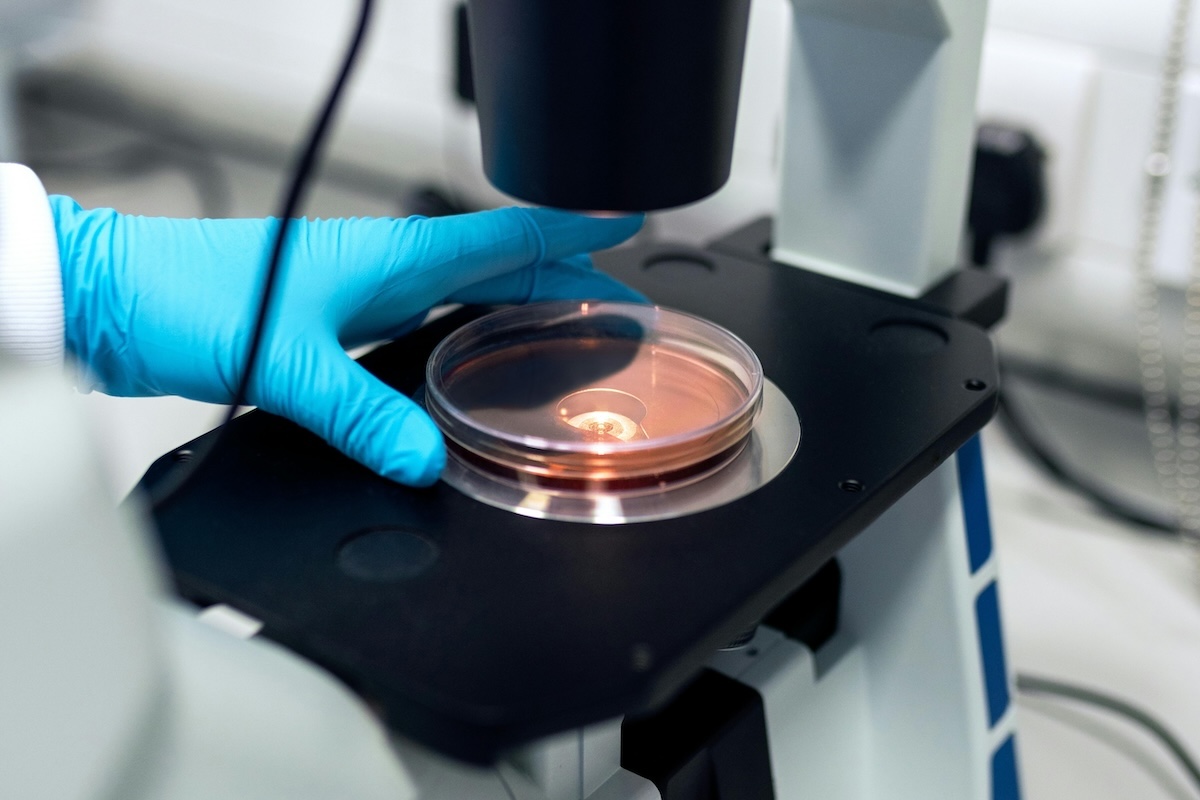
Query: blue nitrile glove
{"type": "Point", "coordinates": [166, 306]}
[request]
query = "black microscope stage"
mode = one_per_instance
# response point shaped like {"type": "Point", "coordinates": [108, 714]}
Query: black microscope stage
{"type": "Point", "coordinates": [473, 629]}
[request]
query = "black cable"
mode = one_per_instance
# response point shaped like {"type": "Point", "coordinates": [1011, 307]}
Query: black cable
{"type": "Point", "coordinates": [300, 178]}
{"type": "Point", "coordinates": [1031, 684]}
{"type": "Point", "coordinates": [167, 488]}
{"type": "Point", "coordinates": [1027, 440]}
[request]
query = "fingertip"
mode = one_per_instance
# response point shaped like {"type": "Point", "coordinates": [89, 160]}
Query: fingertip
{"type": "Point", "coordinates": [567, 233]}
{"type": "Point", "coordinates": [420, 456]}
{"type": "Point", "coordinates": [632, 222]}
{"type": "Point", "coordinates": [360, 415]}
{"type": "Point", "coordinates": [430, 470]}
{"type": "Point", "coordinates": [625, 227]}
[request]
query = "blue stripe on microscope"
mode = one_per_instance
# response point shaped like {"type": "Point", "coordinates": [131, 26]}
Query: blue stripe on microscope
{"type": "Point", "coordinates": [1005, 785]}
{"type": "Point", "coordinates": [991, 648]}
{"type": "Point", "coordinates": [974, 500]}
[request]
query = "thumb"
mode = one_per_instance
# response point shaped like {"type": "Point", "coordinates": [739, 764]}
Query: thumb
{"type": "Point", "coordinates": [334, 397]}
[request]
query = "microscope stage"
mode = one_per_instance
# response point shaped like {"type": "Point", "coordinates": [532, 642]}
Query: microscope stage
{"type": "Point", "coordinates": [473, 629]}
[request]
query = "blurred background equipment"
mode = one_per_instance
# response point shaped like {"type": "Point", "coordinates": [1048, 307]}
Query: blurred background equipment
{"type": "Point", "coordinates": [1008, 187]}
{"type": "Point", "coordinates": [22, 22]}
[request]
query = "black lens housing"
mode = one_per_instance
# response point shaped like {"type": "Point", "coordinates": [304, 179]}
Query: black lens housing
{"type": "Point", "coordinates": [618, 105]}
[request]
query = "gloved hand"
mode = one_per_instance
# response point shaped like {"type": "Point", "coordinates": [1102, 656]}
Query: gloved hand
{"type": "Point", "coordinates": [166, 306]}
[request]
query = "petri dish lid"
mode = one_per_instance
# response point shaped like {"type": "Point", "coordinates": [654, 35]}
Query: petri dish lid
{"type": "Point", "coordinates": [594, 396]}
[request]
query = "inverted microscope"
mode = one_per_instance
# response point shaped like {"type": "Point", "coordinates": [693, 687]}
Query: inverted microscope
{"type": "Point", "coordinates": [731, 545]}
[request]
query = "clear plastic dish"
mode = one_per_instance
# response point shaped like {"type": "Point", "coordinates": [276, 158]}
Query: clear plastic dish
{"type": "Point", "coordinates": [594, 396]}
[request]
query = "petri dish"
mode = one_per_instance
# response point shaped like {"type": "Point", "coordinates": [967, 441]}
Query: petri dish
{"type": "Point", "coordinates": [593, 397]}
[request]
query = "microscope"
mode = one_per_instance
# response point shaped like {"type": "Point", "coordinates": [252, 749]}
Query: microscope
{"type": "Point", "coordinates": [832, 628]}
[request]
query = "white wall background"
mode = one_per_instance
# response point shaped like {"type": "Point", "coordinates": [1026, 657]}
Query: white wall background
{"type": "Point", "coordinates": [260, 67]}
{"type": "Point", "coordinates": [1081, 74]}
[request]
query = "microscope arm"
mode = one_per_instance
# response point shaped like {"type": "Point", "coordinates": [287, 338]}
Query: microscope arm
{"type": "Point", "coordinates": [878, 139]}
{"type": "Point", "coordinates": [630, 105]}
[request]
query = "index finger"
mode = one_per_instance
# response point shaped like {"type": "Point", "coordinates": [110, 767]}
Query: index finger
{"type": "Point", "coordinates": [466, 249]}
